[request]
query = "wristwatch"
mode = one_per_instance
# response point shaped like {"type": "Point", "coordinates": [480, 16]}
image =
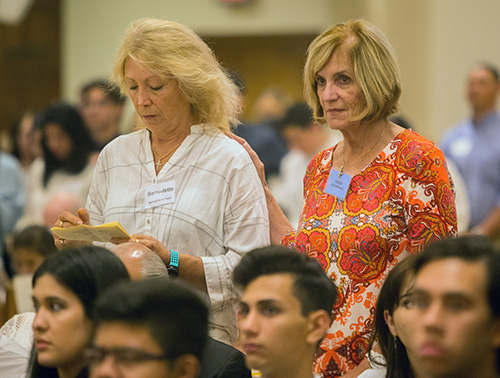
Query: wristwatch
{"type": "Point", "coordinates": [173, 265]}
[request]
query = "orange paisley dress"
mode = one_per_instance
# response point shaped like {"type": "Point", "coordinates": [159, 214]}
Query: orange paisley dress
{"type": "Point", "coordinates": [400, 202]}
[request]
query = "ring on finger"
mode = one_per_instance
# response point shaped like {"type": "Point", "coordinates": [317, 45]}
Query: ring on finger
{"type": "Point", "coordinates": [63, 242]}
{"type": "Point", "coordinates": [61, 223]}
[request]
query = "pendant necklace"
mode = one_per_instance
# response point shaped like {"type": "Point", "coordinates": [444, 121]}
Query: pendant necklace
{"type": "Point", "coordinates": [158, 164]}
{"type": "Point", "coordinates": [365, 154]}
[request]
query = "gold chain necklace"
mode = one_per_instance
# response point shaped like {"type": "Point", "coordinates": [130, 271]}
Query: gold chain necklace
{"type": "Point", "coordinates": [160, 158]}
{"type": "Point", "coordinates": [365, 154]}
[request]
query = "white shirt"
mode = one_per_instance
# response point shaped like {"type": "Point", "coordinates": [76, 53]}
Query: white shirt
{"type": "Point", "coordinates": [16, 338]}
{"type": "Point", "coordinates": [288, 187]}
{"type": "Point", "coordinates": [60, 182]}
{"type": "Point", "coordinates": [219, 212]}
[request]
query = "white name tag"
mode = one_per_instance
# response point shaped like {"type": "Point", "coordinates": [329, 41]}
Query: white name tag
{"type": "Point", "coordinates": [159, 194]}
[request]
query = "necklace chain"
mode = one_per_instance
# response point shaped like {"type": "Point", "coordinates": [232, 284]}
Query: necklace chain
{"type": "Point", "coordinates": [365, 154]}
{"type": "Point", "coordinates": [158, 164]}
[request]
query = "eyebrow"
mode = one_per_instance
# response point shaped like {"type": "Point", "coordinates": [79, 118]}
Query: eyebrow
{"type": "Point", "coordinates": [336, 73]}
{"type": "Point", "coordinates": [49, 298]}
{"type": "Point", "coordinates": [447, 294]}
{"type": "Point", "coordinates": [262, 302]}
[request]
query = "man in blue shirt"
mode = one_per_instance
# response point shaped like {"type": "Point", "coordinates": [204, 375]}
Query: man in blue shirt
{"type": "Point", "coordinates": [474, 147]}
{"type": "Point", "coordinates": [11, 199]}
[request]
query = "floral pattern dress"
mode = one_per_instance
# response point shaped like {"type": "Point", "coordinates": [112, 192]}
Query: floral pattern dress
{"type": "Point", "coordinates": [399, 203]}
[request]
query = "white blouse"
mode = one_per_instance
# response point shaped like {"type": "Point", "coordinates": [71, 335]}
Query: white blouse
{"type": "Point", "coordinates": [218, 213]}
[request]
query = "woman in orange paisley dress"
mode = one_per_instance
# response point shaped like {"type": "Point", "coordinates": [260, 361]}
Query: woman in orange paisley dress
{"type": "Point", "coordinates": [376, 197]}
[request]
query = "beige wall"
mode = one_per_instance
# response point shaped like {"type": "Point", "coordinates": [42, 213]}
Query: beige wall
{"type": "Point", "coordinates": [436, 41]}
{"type": "Point", "coordinates": [93, 28]}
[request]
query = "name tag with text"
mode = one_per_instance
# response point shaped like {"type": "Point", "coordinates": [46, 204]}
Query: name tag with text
{"type": "Point", "coordinates": [159, 194]}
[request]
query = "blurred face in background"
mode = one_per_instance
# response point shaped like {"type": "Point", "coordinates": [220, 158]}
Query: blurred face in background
{"type": "Point", "coordinates": [308, 140]}
{"type": "Point", "coordinates": [482, 89]}
{"type": "Point", "coordinates": [26, 260]}
{"type": "Point", "coordinates": [98, 111]}
{"type": "Point", "coordinates": [445, 320]}
{"type": "Point", "coordinates": [25, 139]}
{"type": "Point", "coordinates": [58, 142]}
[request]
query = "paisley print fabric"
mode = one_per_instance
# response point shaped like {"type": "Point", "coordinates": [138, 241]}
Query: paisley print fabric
{"type": "Point", "coordinates": [399, 203]}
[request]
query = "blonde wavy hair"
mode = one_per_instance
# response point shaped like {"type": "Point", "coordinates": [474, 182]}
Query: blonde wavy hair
{"type": "Point", "coordinates": [169, 49]}
{"type": "Point", "coordinates": [374, 63]}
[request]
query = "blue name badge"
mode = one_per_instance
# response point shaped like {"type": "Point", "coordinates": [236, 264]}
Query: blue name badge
{"type": "Point", "coordinates": [338, 184]}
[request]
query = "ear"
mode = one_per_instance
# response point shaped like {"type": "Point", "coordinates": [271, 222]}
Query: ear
{"type": "Point", "coordinates": [389, 320]}
{"type": "Point", "coordinates": [317, 326]}
{"type": "Point", "coordinates": [186, 366]}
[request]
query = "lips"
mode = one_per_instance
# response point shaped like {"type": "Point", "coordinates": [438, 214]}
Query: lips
{"type": "Point", "coordinates": [251, 348]}
{"type": "Point", "coordinates": [432, 350]}
{"type": "Point", "coordinates": [41, 344]}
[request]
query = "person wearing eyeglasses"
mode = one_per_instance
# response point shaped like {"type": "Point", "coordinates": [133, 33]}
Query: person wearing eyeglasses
{"type": "Point", "coordinates": [219, 360]}
{"type": "Point", "coordinates": [152, 328]}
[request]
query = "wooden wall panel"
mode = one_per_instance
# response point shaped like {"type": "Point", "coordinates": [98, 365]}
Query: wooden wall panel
{"type": "Point", "coordinates": [30, 62]}
{"type": "Point", "coordinates": [264, 62]}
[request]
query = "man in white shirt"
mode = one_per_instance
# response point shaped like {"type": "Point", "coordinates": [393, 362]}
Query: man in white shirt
{"type": "Point", "coordinates": [305, 138]}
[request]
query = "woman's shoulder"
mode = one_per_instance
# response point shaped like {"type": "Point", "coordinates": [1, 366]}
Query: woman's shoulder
{"type": "Point", "coordinates": [123, 143]}
{"type": "Point", "coordinates": [125, 139]}
{"type": "Point", "coordinates": [417, 157]}
{"type": "Point", "coordinates": [410, 141]}
{"type": "Point", "coordinates": [322, 158]}
{"type": "Point", "coordinates": [218, 142]}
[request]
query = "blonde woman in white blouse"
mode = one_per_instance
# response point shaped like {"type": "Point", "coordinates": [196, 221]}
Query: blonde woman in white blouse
{"type": "Point", "coordinates": [178, 183]}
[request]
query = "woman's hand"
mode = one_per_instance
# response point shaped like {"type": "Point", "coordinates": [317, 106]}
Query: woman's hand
{"type": "Point", "coordinates": [259, 165]}
{"type": "Point", "coordinates": [156, 246]}
{"type": "Point", "coordinates": [279, 225]}
{"type": "Point", "coordinates": [67, 219]}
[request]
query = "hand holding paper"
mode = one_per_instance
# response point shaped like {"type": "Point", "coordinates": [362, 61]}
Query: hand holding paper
{"type": "Point", "coordinates": [101, 233]}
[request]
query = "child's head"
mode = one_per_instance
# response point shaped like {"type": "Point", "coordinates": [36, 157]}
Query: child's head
{"type": "Point", "coordinates": [30, 247]}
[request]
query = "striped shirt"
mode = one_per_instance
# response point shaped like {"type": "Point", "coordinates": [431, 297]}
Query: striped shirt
{"type": "Point", "coordinates": [219, 212]}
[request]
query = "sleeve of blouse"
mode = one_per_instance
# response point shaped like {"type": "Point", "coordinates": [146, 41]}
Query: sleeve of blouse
{"type": "Point", "coordinates": [98, 189]}
{"type": "Point", "coordinates": [431, 212]}
{"type": "Point", "coordinates": [246, 226]}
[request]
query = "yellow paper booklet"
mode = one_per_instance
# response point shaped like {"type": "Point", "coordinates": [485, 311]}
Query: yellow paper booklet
{"type": "Point", "coordinates": [101, 233]}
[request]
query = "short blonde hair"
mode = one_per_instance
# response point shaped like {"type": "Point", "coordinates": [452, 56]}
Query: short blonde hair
{"type": "Point", "coordinates": [374, 63]}
{"type": "Point", "coordinates": [169, 49]}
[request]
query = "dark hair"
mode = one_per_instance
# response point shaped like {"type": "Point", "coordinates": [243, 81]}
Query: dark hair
{"type": "Point", "coordinates": [311, 286]}
{"type": "Point", "coordinates": [85, 271]}
{"type": "Point", "coordinates": [297, 115]}
{"type": "Point", "coordinates": [70, 121]}
{"type": "Point", "coordinates": [394, 352]}
{"type": "Point", "coordinates": [174, 314]}
{"type": "Point", "coordinates": [37, 238]}
{"type": "Point", "coordinates": [473, 248]}
{"type": "Point", "coordinates": [491, 68]}
{"type": "Point", "coordinates": [111, 90]}
{"type": "Point", "coordinates": [470, 248]}
{"type": "Point", "coordinates": [15, 131]}
{"type": "Point", "coordinates": [400, 121]}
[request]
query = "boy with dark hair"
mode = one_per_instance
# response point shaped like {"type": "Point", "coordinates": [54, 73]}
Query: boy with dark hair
{"type": "Point", "coordinates": [285, 310]}
{"type": "Point", "coordinates": [151, 328]}
{"type": "Point", "coordinates": [450, 323]}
